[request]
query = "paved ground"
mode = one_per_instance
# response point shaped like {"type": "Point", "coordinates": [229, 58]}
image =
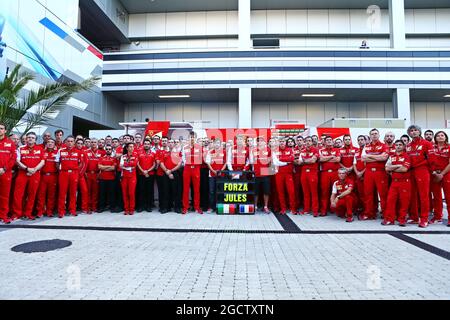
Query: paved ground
{"type": "Point", "coordinates": [154, 256]}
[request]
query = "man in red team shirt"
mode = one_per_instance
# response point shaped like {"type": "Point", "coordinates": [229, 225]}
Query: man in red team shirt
{"type": "Point", "coordinates": [7, 160]}
{"type": "Point", "coordinates": [359, 168]}
{"type": "Point", "coordinates": [107, 166]}
{"type": "Point", "coordinates": [146, 177]}
{"type": "Point", "coordinates": [439, 159]}
{"type": "Point", "coordinates": [30, 160]}
{"type": "Point", "coordinates": [45, 137]}
{"type": "Point", "coordinates": [347, 153]}
{"type": "Point", "coordinates": [216, 161]}
{"type": "Point", "coordinates": [59, 139]}
{"type": "Point", "coordinates": [310, 177]}
{"type": "Point", "coordinates": [46, 197]}
{"type": "Point", "coordinates": [261, 159]}
{"type": "Point", "coordinates": [300, 144]}
{"type": "Point", "coordinates": [389, 139]}
{"type": "Point", "coordinates": [82, 181]}
{"type": "Point", "coordinates": [237, 157]}
{"type": "Point", "coordinates": [418, 150]}
{"type": "Point", "coordinates": [172, 180]}
{"type": "Point", "coordinates": [342, 197]}
{"type": "Point", "coordinates": [71, 164]}
{"type": "Point", "coordinates": [93, 156]}
{"type": "Point", "coordinates": [128, 164]}
{"type": "Point", "coordinates": [284, 160]}
{"type": "Point", "coordinates": [329, 159]}
{"type": "Point", "coordinates": [375, 155]}
{"type": "Point", "coordinates": [160, 154]}
{"type": "Point", "coordinates": [400, 190]}
{"type": "Point", "coordinates": [192, 160]}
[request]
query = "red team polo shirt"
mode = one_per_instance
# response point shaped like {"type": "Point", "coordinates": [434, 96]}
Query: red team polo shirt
{"type": "Point", "coordinates": [404, 160]}
{"type": "Point", "coordinates": [51, 161]}
{"type": "Point", "coordinates": [218, 160]}
{"type": "Point", "coordinates": [286, 155]}
{"type": "Point", "coordinates": [160, 155]}
{"type": "Point", "coordinates": [129, 162]}
{"type": "Point", "coordinates": [193, 155]}
{"type": "Point", "coordinates": [327, 152]}
{"type": "Point", "coordinates": [308, 153]}
{"type": "Point", "coordinates": [107, 161]}
{"type": "Point", "coordinates": [262, 160]}
{"type": "Point", "coordinates": [92, 158]}
{"type": "Point", "coordinates": [340, 187]}
{"type": "Point", "coordinates": [377, 148]}
{"type": "Point", "coordinates": [347, 154]}
{"type": "Point", "coordinates": [239, 157]}
{"type": "Point", "coordinates": [30, 156]}
{"type": "Point", "coordinates": [360, 165]}
{"type": "Point", "coordinates": [70, 159]}
{"type": "Point", "coordinates": [172, 159]}
{"type": "Point", "coordinates": [146, 161]}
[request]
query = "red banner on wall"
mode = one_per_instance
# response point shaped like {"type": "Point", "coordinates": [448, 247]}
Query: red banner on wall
{"type": "Point", "coordinates": [157, 128]}
{"type": "Point", "coordinates": [333, 132]}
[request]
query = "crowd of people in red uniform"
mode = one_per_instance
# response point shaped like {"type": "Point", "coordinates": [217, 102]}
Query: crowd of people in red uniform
{"type": "Point", "coordinates": [405, 178]}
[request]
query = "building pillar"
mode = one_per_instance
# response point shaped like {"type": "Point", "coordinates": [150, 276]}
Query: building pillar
{"type": "Point", "coordinates": [401, 105]}
{"type": "Point", "coordinates": [244, 24]}
{"type": "Point", "coordinates": [245, 107]}
{"type": "Point", "coordinates": [397, 24]}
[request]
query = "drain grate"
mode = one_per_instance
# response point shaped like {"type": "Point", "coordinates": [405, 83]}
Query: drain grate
{"type": "Point", "coordinates": [41, 246]}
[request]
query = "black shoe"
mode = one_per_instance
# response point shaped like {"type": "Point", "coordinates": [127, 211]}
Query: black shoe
{"type": "Point", "coordinates": [148, 210]}
{"type": "Point", "coordinates": [100, 210]}
{"type": "Point", "coordinates": [163, 211]}
{"type": "Point", "coordinates": [177, 210]}
{"type": "Point", "coordinates": [139, 210]}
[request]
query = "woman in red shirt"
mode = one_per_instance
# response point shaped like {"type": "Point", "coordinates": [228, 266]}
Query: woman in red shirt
{"type": "Point", "coordinates": [128, 163]}
{"type": "Point", "coordinates": [439, 160]}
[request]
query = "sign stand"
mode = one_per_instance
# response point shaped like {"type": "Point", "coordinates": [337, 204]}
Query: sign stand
{"type": "Point", "coordinates": [235, 196]}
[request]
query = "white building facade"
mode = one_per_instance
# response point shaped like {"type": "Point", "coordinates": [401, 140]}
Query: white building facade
{"type": "Point", "coordinates": [248, 63]}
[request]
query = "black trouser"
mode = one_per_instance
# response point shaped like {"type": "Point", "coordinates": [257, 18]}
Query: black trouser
{"type": "Point", "coordinates": [118, 191]}
{"type": "Point", "coordinates": [172, 191]}
{"type": "Point", "coordinates": [107, 194]}
{"type": "Point", "coordinates": [145, 192]}
{"type": "Point", "coordinates": [204, 188]}
{"type": "Point", "coordinates": [161, 195]}
{"type": "Point", "coordinates": [212, 193]}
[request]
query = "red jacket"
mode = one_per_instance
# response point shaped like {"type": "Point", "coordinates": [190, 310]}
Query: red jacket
{"type": "Point", "coordinates": [418, 152]}
{"type": "Point", "coordinates": [439, 158]}
{"type": "Point", "coordinates": [7, 154]}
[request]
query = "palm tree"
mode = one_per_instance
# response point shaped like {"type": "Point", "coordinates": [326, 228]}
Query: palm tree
{"type": "Point", "coordinates": [36, 107]}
